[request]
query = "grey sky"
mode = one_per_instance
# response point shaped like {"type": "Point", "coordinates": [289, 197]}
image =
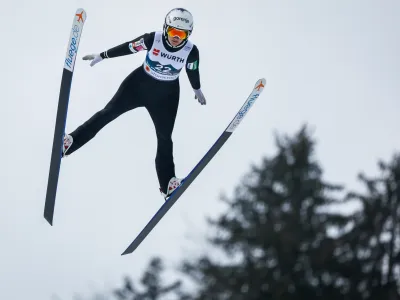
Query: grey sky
{"type": "Point", "coordinates": [332, 64]}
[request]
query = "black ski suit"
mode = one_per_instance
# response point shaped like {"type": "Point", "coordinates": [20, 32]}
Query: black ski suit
{"type": "Point", "coordinates": [160, 98]}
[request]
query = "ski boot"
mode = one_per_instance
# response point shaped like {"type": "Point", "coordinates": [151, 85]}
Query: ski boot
{"type": "Point", "coordinates": [68, 140]}
{"type": "Point", "coordinates": [173, 184]}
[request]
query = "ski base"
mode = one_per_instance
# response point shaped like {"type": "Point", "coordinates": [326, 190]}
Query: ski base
{"type": "Point", "coordinates": [62, 109]}
{"type": "Point", "coordinates": [257, 90]}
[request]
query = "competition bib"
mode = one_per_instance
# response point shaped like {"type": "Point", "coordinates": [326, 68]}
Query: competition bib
{"type": "Point", "coordinates": [162, 64]}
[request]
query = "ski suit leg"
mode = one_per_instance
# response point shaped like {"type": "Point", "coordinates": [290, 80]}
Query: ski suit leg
{"type": "Point", "coordinates": [127, 97]}
{"type": "Point", "coordinates": [163, 112]}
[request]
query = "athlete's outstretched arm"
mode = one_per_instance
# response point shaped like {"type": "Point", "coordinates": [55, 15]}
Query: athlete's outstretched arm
{"type": "Point", "coordinates": [192, 70]}
{"type": "Point", "coordinates": [140, 43]}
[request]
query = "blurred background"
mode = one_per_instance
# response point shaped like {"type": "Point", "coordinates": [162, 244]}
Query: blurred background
{"type": "Point", "coordinates": [302, 202]}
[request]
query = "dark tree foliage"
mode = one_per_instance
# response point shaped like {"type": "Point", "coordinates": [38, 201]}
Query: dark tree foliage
{"type": "Point", "coordinates": [375, 241]}
{"type": "Point", "coordinates": [152, 283]}
{"type": "Point", "coordinates": [275, 233]}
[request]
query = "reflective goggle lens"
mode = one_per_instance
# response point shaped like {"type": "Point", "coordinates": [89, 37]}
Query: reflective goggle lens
{"type": "Point", "coordinates": [182, 34]}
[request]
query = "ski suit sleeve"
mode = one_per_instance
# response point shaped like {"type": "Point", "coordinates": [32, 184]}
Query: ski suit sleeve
{"type": "Point", "coordinates": [143, 42]}
{"type": "Point", "coordinates": [192, 68]}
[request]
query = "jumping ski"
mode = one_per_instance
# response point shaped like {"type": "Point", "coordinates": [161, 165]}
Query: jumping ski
{"type": "Point", "coordinates": [68, 70]}
{"type": "Point", "coordinates": [257, 90]}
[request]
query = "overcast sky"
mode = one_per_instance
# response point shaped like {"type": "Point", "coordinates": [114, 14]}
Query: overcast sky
{"type": "Point", "coordinates": [333, 64]}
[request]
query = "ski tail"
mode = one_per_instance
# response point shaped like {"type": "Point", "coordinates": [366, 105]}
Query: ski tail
{"type": "Point", "coordinates": [255, 93]}
{"type": "Point", "coordinates": [62, 109]}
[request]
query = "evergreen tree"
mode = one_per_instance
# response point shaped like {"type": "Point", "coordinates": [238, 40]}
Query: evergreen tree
{"type": "Point", "coordinates": [153, 287]}
{"type": "Point", "coordinates": [273, 235]}
{"type": "Point", "coordinates": [375, 242]}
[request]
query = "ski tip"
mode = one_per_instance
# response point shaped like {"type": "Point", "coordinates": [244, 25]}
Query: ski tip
{"type": "Point", "coordinates": [80, 10]}
{"type": "Point", "coordinates": [80, 15]}
{"type": "Point", "coordinates": [260, 84]}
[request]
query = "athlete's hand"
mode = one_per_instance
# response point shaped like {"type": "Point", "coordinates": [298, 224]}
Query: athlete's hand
{"type": "Point", "coordinates": [200, 97]}
{"type": "Point", "coordinates": [95, 58]}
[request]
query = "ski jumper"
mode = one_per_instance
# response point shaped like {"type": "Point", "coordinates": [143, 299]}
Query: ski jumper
{"type": "Point", "coordinates": [155, 86]}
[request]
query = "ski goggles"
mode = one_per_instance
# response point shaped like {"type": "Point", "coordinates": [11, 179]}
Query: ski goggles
{"type": "Point", "coordinates": [182, 34]}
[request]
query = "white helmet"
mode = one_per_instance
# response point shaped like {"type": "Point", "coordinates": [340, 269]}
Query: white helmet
{"type": "Point", "coordinates": [178, 18]}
